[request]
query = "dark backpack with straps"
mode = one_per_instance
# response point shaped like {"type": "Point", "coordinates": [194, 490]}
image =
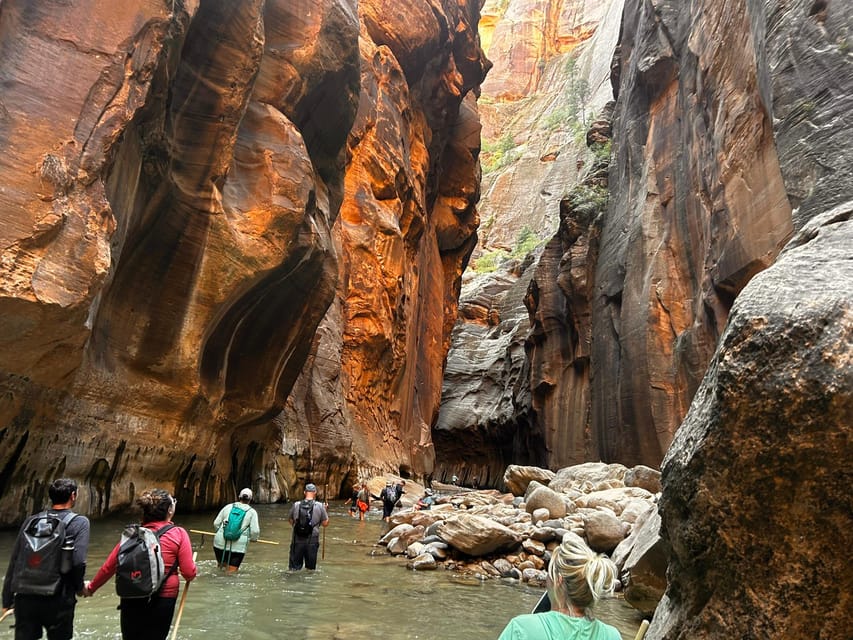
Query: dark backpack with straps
{"type": "Point", "coordinates": [140, 571]}
{"type": "Point", "coordinates": [38, 563]}
{"type": "Point", "coordinates": [303, 526]}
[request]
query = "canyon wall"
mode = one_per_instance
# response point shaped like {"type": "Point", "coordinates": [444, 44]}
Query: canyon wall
{"type": "Point", "coordinates": [172, 175]}
{"type": "Point", "coordinates": [507, 382]}
{"type": "Point", "coordinates": [367, 400]}
{"type": "Point", "coordinates": [728, 135]}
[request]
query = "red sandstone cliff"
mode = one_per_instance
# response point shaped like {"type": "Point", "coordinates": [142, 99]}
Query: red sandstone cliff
{"type": "Point", "coordinates": [169, 184]}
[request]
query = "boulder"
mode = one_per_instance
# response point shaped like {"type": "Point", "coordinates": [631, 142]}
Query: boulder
{"type": "Point", "coordinates": [533, 547]}
{"type": "Point", "coordinates": [397, 545]}
{"type": "Point", "coordinates": [756, 498]}
{"type": "Point", "coordinates": [587, 476]}
{"type": "Point", "coordinates": [437, 550]}
{"type": "Point", "coordinates": [504, 567]}
{"type": "Point", "coordinates": [395, 532]}
{"type": "Point", "coordinates": [425, 561]}
{"type": "Point", "coordinates": [476, 535]}
{"type": "Point", "coordinates": [604, 531]}
{"type": "Point", "coordinates": [644, 570]}
{"type": "Point", "coordinates": [517, 477]}
{"type": "Point", "coordinates": [534, 576]}
{"type": "Point", "coordinates": [643, 477]}
{"type": "Point", "coordinates": [540, 514]}
{"type": "Point", "coordinates": [544, 497]}
{"type": "Point", "coordinates": [614, 499]}
{"type": "Point", "coordinates": [415, 549]}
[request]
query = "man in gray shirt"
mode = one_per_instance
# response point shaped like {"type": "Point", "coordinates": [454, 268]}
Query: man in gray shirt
{"type": "Point", "coordinates": [306, 518]}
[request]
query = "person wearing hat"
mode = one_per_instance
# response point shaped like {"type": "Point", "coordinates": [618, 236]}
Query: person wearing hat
{"type": "Point", "coordinates": [306, 518]}
{"type": "Point", "coordinates": [232, 540]}
{"type": "Point", "coordinates": [426, 501]}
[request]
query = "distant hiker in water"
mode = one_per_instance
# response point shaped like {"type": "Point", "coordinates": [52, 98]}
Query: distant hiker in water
{"type": "Point", "coordinates": [236, 524]}
{"type": "Point", "coordinates": [389, 498]}
{"type": "Point", "coordinates": [363, 503]}
{"type": "Point", "coordinates": [147, 604]}
{"type": "Point", "coordinates": [306, 516]}
{"type": "Point", "coordinates": [353, 501]}
{"type": "Point", "coordinates": [577, 578]}
{"type": "Point", "coordinates": [47, 567]}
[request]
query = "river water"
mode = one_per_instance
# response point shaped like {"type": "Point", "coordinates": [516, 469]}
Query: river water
{"type": "Point", "coordinates": [358, 591]}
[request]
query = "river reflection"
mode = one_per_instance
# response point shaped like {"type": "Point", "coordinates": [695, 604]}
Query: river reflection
{"type": "Point", "coordinates": [357, 592]}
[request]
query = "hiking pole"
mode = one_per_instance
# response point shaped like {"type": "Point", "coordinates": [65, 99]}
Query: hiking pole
{"type": "Point", "coordinates": [183, 602]}
{"type": "Point", "coordinates": [8, 613]}
{"type": "Point", "coordinates": [326, 500]}
{"type": "Point", "coordinates": [211, 533]}
{"type": "Point", "coordinates": [641, 632]}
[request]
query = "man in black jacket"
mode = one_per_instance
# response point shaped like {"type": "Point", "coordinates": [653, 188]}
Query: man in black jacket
{"type": "Point", "coordinates": [25, 588]}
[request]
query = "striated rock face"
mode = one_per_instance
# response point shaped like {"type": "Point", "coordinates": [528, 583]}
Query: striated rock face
{"type": "Point", "coordinates": [182, 204]}
{"type": "Point", "coordinates": [697, 207]}
{"type": "Point", "coordinates": [485, 409]}
{"type": "Point", "coordinates": [407, 226]}
{"type": "Point", "coordinates": [503, 385]}
{"type": "Point", "coordinates": [808, 50]}
{"type": "Point", "coordinates": [170, 185]}
{"type": "Point", "coordinates": [756, 486]}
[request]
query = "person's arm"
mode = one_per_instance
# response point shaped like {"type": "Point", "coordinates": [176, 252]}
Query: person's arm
{"type": "Point", "coordinates": [254, 525]}
{"type": "Point", "coordinates": [325, 517]}
{"type": "Point", "coordinates": [186, 564]}
{"type": "Point", "coordinates": [106, 572]}
{"type": "Point", "coordinates": [80, 530]}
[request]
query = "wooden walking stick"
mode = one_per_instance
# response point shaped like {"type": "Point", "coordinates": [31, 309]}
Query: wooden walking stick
{"type": "Point", "coordinates": [641, 632]}
{"type": "Point", "coordinates": [183, 602]}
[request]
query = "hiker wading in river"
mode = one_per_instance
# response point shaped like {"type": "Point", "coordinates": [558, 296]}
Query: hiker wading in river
{"type": "Point", "coordinates": [236, 524]}
{"type": "Point", "coordinates": [306, 517]}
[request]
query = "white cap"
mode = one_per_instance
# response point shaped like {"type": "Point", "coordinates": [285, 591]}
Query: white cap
{"type": "Point", "coordinates": [246, 493]}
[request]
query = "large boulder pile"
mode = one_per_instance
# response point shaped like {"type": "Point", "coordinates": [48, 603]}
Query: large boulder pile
{"type": "Point", "coordinates": [512, 535]}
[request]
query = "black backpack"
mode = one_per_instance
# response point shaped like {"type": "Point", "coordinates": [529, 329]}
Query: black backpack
{"type": "Point", "coordinates": [38, 565]}
{"type": "Point", "coordinates": [303, 526]}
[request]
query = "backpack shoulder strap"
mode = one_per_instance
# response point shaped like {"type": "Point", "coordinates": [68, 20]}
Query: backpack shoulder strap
{"type": "Point", "coordinates": [174, 566]}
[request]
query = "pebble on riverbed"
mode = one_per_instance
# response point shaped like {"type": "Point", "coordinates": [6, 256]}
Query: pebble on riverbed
{"type": "Point", "coordinates": [488, 534]}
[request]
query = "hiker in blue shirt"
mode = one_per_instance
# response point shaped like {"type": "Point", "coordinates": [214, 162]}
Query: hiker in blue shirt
{"type": "Point", "coordinates": [236, 524]}
{"type": "Point", "coordinates": [306, 516]}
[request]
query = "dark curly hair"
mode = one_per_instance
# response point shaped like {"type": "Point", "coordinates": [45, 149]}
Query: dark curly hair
{"type": "Point", "coordinates": [155, 504]}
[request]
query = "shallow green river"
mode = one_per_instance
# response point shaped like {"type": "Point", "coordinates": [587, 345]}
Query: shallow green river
{"type": "Point", "coordinates": [357, 592]}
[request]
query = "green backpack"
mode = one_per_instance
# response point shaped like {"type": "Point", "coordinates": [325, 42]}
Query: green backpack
{"type": "Point", "coordinates": [234, 524]}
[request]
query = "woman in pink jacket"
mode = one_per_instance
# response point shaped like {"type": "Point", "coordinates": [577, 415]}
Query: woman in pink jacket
{"type": "Point", "coordinates": [150, 618]}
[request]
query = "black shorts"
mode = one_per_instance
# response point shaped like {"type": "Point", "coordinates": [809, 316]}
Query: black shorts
{"type": "Point", "coordinates": [232, 560]}
{"type": "Point", "coordinates": [54, 613]}
{"type": "Point", "coordinates": [144, 619]}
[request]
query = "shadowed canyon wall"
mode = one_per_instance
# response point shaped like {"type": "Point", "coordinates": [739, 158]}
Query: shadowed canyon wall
{"type": "Point", "coordinates": [171, 183]}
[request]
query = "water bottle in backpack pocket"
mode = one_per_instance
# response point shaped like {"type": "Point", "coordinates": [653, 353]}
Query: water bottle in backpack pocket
{"type": "Point", "coordinates": [41, 561]}
{"type": "Point", "coordinates": [140, 571]}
